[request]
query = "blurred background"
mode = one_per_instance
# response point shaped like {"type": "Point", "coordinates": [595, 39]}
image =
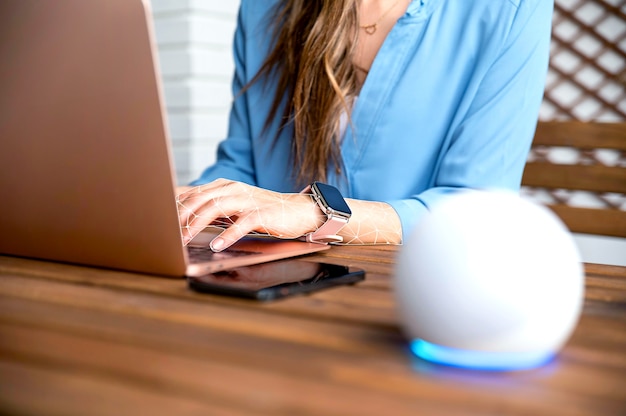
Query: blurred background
{"type": "Point", "coordinates": [586, 82]}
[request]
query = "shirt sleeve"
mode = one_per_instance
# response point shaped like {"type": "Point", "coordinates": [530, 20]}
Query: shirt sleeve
{"type": "Point", "coordinates": [234, 155]}
{"type": "Point", "coordinates": [488, 148]}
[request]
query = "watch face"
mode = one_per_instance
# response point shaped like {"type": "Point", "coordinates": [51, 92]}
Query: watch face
{"type": "Point", "coordinates": [331, 197]}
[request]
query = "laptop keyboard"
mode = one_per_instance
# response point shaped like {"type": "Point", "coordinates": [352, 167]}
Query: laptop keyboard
{"type": "Point", "coordinates": [204, 254]}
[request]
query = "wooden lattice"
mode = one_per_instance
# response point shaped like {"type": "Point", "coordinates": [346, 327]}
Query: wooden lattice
{"type": "Point", "coordinates": [560, 155]}
{"type": "Point", "coordinates": [587, 74]}
{"type": "Point", "coordinates": [579, 170]}
{"type": "Point", "coordinates": [586, 82]}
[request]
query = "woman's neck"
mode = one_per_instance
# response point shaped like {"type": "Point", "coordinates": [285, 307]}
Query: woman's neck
{"type": "Point", "coordinates": [376, 19]}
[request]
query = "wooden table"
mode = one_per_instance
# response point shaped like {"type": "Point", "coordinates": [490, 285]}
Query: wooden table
{"type": "Point", "coordinates": [83, 341]}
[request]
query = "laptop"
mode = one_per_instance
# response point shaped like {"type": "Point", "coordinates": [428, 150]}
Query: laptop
{"type": "Point", "coordinates": [85, 161]}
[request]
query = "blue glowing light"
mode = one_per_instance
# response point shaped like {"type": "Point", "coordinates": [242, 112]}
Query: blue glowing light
{"type": "Point", "coordinates": [480, 360]}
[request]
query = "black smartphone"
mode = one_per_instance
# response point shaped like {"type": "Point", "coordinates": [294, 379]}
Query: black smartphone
{"type": "Point", "coordinates": [277, 279]}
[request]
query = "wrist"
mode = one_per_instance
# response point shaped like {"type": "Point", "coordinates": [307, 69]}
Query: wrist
{"type": "Point", "coordinates": [332, 210]}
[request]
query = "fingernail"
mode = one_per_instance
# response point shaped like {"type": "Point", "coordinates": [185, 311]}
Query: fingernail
{"type": "Point", "coordinates": [217, 244]}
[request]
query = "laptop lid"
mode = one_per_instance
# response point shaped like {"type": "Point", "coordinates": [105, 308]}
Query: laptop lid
{"type": "Point", "coordinates": [85, 168]}
{"type": "Point", "coordinates": [85, 164]}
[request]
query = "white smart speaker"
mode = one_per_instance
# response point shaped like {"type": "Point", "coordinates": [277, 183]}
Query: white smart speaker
{"type": "Point", "coordinates": [489, 280]}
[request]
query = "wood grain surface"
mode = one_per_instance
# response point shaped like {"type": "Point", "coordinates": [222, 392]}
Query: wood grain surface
{"type": "Point", "coordinates": [85, 341]}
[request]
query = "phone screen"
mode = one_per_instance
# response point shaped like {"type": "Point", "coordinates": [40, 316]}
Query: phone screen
{"type": "Point", "coordinates": [277, 279]}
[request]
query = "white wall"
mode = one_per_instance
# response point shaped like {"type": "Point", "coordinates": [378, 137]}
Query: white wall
{"type": "Point", "coordinates": [195, 51]}
{"type": "Point", "coordinates": [600, 249]}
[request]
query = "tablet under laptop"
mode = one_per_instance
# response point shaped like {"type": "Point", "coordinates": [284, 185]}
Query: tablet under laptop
{"type": "Point", "coordinates": [85, 164]}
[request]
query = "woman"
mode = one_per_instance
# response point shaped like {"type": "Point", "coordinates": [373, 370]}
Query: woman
{"type": "Point", "coordinates": [394, 102]}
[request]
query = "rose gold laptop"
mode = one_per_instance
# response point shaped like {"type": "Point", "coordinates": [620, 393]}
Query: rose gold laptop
{"type": "Point", "coordinates": [85, 164]}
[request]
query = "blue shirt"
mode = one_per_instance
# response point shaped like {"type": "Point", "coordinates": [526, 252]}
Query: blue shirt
{"type": "Point", "coordinates": [451, 101]}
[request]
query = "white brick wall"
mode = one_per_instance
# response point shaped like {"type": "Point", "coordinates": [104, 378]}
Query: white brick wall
{"type": "Point", "coordinates": [194, 40]}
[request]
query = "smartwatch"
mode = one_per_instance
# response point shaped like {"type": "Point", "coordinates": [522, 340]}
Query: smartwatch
{"type": "Point", "coordinates": [330, 201]}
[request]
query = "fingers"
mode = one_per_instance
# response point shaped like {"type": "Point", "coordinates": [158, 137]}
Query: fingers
{"type": "Point", "coordinates": [224, 203]}
{"type": "Point", "coordinates": [232, 234]}
{"type": "Point", "coordinates": [198, 208]}
{"type": "Point", "coordinates": [182, 189]}
{"type": "Point", "coordinates": [192, 200]}
{"type": "Point", "coordinates": [242, 209]}
{"type": "Point", "coordinates": [189, 220]}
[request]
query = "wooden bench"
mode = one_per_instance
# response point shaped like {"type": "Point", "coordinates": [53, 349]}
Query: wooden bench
{"type": "Point", "coordinates": [591, 175]}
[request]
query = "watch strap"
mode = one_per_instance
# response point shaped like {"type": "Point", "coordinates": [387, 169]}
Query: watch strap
{"type": "Point", "coordinates": [327, 233]}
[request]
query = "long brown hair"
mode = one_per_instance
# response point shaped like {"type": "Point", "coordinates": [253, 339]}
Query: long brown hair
{"type": "Point", "coordinates": [314, 42]}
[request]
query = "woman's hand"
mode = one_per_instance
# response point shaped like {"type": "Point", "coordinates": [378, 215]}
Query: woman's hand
{"type": "Point", "coordinates": [243, 209]}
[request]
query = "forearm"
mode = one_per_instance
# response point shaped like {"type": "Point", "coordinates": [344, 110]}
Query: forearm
{"type": "Point", "coordinates": [244, 209]}
{"type": "Point", "coordinates": [372, 223]}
